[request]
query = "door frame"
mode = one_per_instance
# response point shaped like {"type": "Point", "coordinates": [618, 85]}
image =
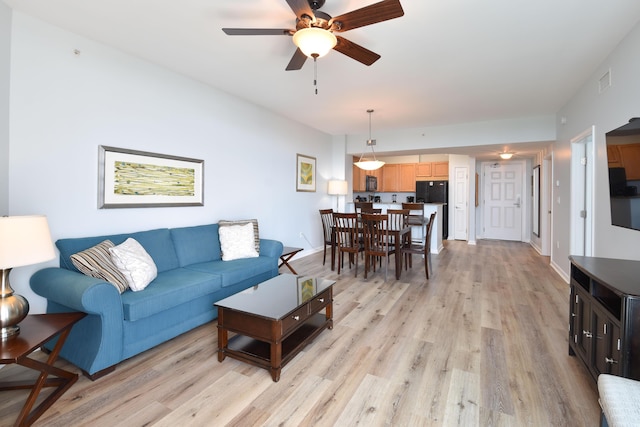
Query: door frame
{"type": "Point", "coordinates": [582, 232]}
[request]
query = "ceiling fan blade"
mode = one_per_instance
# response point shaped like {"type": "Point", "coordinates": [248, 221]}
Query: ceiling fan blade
{"type": "Point", "coordinates": [377, 12]}
{"type": "Point", "coordinates": [258, 31]}
{"type": "Point", "coordinates": [297, 61]}
{"type": "Point", "coordinates": [301, 8]}
{"type": "Point", "coordinates": [355, 51]}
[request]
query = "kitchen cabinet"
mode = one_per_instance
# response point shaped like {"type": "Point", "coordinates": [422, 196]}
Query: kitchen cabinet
{"type": "Point", "coordinates": [605, 315]}
{"type": "Point", "coordinates": [399, 177]}
{"type": "Point", "coordinates": [441, 170]}
{"type": "Point", "coordinates": [437, 171]}
{"type": "Point", "coordinates": [424, 169]}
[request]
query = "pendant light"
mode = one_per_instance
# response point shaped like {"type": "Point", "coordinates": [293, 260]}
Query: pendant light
{"type": "Point", "coordinates": [369, 165]}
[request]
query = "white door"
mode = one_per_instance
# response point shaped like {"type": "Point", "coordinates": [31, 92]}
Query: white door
{"type": "Point", "coordinates": [460, 198]}
{"type": "Point", "coordinates": [503, 201]}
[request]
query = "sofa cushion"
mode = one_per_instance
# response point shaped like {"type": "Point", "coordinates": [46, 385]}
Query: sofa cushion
{"type": "Point", "coordinates": [237, 241]}
{"type": "Point", "coordinates": [96, 262]}
{"type": "Point", "coordinates": [196, 244]}
{"type": "Point", "coordinates": [157, 243]}
{"type": "Point", "coordinates": [232, 272]}
{"type": "Point", "coordinates": [253, 222]}
{"type": "Point", "coordinates": [169, 289]}
{"type": "Point", "coordinates": [134, 263]}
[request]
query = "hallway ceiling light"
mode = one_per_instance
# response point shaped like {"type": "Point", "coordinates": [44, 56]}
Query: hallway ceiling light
{"type": "Point", "coordinates": [363, 163]}
{"type": "Point", "coordinates": [506, 155]}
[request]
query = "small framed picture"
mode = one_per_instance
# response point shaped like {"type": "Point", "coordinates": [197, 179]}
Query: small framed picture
{"type": "Point", "coordinates": [136, 179]}
{"type": "Point", "coordinates": [306, 173]}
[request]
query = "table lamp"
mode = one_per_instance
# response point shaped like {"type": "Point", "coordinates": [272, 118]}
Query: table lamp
{"type": "Point", "coordinates": [24, 240]}
{"type": "Point", "coordinates": [337, 188]}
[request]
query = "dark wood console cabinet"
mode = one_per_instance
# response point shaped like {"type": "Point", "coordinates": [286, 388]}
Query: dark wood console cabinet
{"type": "Point", "coordinates": [604, 317]}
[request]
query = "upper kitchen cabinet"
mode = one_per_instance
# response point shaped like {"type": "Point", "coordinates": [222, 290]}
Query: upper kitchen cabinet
{"type": "Point", "coordinates": [399, 177]}
{"type": "Point", "coordinates": [437, 171]}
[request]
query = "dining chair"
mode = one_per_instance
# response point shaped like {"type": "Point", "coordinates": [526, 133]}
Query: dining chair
{"type": "Point", "coordinates": [398, 219]}
{"type": "Point", "coordinates": [326, 216]}
{"type": "Point", "coordinates": [412, 248]}
{"type": "Point", "coordinates": [360, 205]}
{"type": "Point", "coordinates": [371, 210]}
{"type": "Point", "coordinates": [416, 218]}
{"type": "Point", "coordinates": [377, 241]}
{"type": "Point", "coordinates": [348, 238]}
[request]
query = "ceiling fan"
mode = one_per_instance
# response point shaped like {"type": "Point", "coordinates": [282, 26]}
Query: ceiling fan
{"type": "Point", "coordinates": [314, 25]}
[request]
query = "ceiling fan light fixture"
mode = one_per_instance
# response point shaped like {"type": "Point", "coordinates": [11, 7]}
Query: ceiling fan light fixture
{"type": "Point", "coordinates": [314, 42]}
{"type": "Point", "coordinates": [369, 165]}
{"type": "Point", "coordinates": [506, 155]}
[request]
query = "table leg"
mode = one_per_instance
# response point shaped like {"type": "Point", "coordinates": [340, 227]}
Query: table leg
{"type": "Point", "coordinates": [285, 261]}
{"type": "Point", "coordinates": [333, 251]}
{"type": "Point", "coordinates": [223, 336]}
{"type": "Point", "coordinates": [62, 383]}
{"type": "Point", "coordinates": [276, 360]}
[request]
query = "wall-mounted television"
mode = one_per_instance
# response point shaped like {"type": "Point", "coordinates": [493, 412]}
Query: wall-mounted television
{"type": "Point", "coordinates": [623, 158]}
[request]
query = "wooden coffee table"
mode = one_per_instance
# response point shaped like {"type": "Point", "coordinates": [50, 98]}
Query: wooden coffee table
{"type": "Point", "coordinates": [35, 330]}
{"type": "Point", "coordinates": [274, 321]}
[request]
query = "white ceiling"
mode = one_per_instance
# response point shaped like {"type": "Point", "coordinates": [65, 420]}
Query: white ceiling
{"type": "Point", "coordinates": [443, 62]}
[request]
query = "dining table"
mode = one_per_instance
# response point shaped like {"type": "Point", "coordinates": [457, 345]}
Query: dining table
{"type": "Point", "coordinates": [398, 235]}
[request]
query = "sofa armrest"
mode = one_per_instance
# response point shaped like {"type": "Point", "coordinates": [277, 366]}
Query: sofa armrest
{"type": "Point", "coordinates": [96, 341]}
{"type": "Point", "coordinates": [77, 291]}
{"type": "Point", "coordinates": [271, 248]}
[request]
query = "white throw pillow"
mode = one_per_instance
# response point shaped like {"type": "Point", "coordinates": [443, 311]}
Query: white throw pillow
{"type": "Point", "coordinates": [237, 241]}
{"type": "Point", "coordinates": [134, 263]}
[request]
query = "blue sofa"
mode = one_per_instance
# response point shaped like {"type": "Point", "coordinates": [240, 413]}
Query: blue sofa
{"type": "Point", "coordinates": [191, 278]}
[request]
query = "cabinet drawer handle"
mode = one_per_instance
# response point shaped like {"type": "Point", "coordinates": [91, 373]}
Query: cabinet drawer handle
{"type": "Point", "coordinates": [587, 334]}
{"type": "Point", "coordinates": [606, 359]}
{"type": "Point", "coordinates": [296, 317]}
{"type": "Point", "coordinates": [321, 299]}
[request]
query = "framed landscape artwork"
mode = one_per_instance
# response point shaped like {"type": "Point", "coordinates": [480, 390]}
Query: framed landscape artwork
{"type": "Point", "coordinates": [134, 179]}
{"type": "Point", "coordinates": [306, 173]}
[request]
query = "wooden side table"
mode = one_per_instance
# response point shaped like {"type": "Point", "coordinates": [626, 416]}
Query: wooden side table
{"type": "Point", "coordinates": [35, 330]}
{"type": "Point", "coordinates": [288, 253]}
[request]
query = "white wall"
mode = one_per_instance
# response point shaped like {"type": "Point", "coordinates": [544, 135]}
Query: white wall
{"type": "Point", "coordinates": [606, 111]}
{"type": "Point", "coordinates": [507, 131]}
{"type": "Point", "coordinates": [64, 105]}
{"type": "Point", "coordinates": [5, 48]}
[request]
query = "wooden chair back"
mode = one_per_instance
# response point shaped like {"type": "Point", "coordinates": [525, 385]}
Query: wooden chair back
{"type": "Point", "coordinates": [360, 205]}
{"type": "Point", "coordinates": [377, 241]}
{"type": "Point", "coordinates": [348, 237]}
{"type": "Point", "coordinates": [398, 218]}
{"type": "Point", "coordinates": [371, 210]}
{"type": "Point", "coordinates": [326, 217]}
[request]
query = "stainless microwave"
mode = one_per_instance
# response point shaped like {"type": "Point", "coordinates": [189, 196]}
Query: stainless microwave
{"type": "Point", "coordinates": [371, 183]}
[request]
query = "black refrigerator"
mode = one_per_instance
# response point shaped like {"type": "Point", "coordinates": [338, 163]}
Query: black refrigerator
{"type": "Point", "coordinates": [435, 192]}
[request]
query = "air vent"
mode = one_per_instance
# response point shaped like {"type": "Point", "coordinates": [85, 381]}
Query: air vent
{"type": "Point", "coordinates": [605, 81]}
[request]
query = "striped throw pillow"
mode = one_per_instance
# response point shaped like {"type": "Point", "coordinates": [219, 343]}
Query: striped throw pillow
{"type": "Point", "coordinates": [96, 262]}
{"type": "Point", "coordinates": [256, 233]}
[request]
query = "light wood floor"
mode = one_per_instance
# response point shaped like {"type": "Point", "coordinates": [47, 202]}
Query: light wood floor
{"type": "Point", "coordinates": [483, 343]}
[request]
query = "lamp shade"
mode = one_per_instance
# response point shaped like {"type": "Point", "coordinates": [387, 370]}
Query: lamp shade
{"type": "Point", "coordinates": [24, 240]}
{"type": "Point", "coordinates": [314, 41]}
{"type": "Point", "coordinates": [338, 188]}
{"type": "Point", "coordinates": [369, 165]}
